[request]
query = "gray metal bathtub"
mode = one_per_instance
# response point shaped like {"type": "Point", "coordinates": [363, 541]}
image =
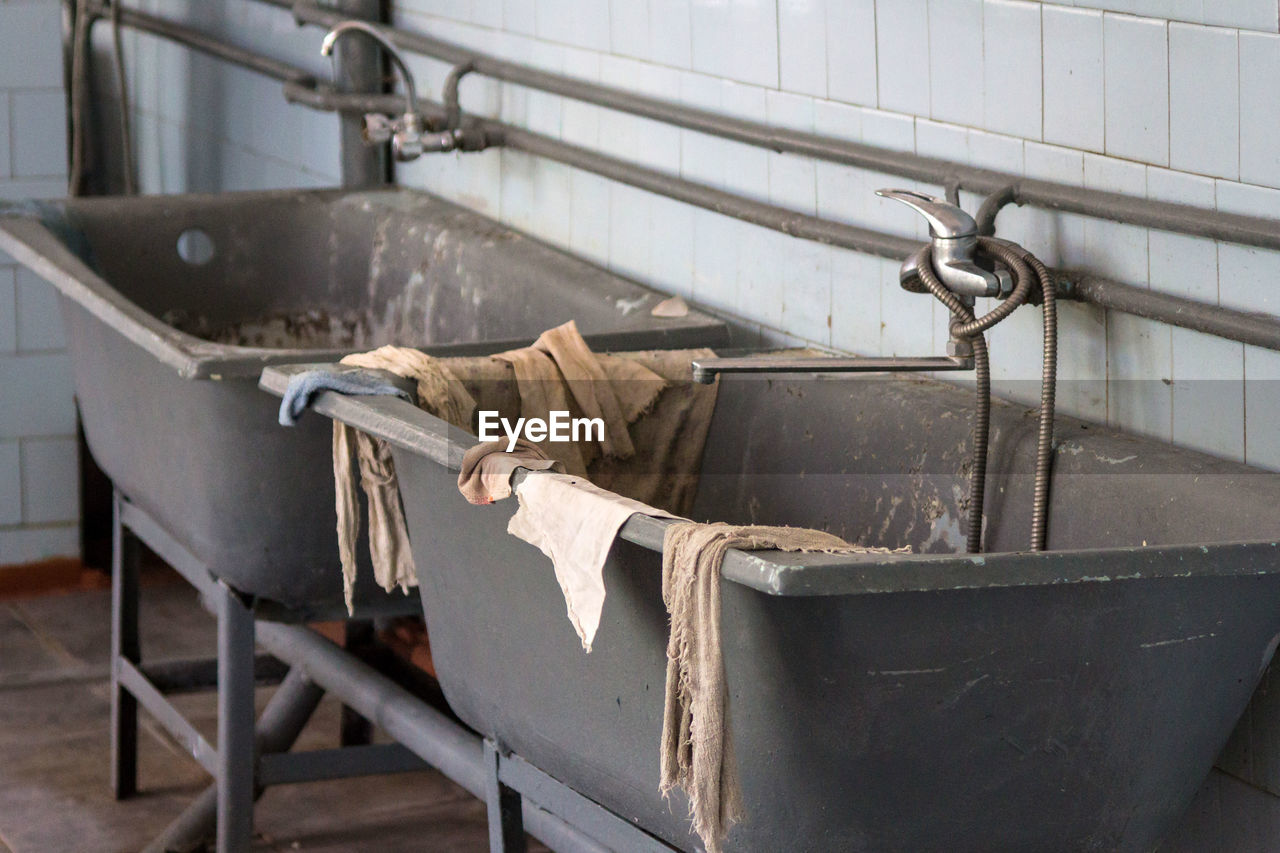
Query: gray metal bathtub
{"type": "Point", "coordinates": [173, 305]}
{"type": "Point", "coordinates": [1068, 700]}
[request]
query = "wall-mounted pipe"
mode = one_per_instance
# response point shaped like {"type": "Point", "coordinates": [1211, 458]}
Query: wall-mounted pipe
{"type": "Point", "coordinates": [301, 87]}
{"type": "Point", "coordinates": [1165, 216]}
{"type": "Point", "coordinates": [360, 65]}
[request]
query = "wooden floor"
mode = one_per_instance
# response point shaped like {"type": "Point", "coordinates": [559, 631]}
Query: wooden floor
{"type": "Point", "coordinates": [54, 716]}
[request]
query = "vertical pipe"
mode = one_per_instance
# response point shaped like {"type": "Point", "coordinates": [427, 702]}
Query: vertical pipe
{"type": "Point", "coordinates": [124, 645]}
{"type": "Point", "coordinates": [359, 64]}
{"type": "Point", "coordinates": [506, 818]}
{"type": "Point", "coordinates": [358, 637]}
{"type": "Point", "coordinates": [235, 723]}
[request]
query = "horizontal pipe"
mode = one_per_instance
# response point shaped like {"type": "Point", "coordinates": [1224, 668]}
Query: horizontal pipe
{"type": "Point", "coordinates": [445, 745]}
{"type": "Point", "coordinates": [1166, 216]}
{"type": "Point", "coordinates": [342, 762]}
{"type": "Point", "coordinates": [435, 738]}
{"type": "Point", "coordinates": [206, 44]}
{"type": "Point", "coordinates": [1258, 330]}
{"type": "Point", "coordinates": [705, 370]}
{"type": "Point", "coordinates": [771, 216]}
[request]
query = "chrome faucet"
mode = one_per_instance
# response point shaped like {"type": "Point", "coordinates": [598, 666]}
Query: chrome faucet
{"type": "Point", "coordinates": [408, 133]}
{"type": "Point", "coordinates": [954, 237]}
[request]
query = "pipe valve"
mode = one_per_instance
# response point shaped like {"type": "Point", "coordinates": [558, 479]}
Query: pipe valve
{"type": "Point", "coordinates": [406, 131]}
{"type": "Point", "coordinates": [954, 236]}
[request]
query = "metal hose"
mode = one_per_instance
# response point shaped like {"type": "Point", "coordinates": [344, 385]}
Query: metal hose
{"type": "Point", "coordinates": [1048, 394]}
{"type": "Point", "coordinates": [965, 325]}
{"type": "Point", "coordinates": [126, 123]}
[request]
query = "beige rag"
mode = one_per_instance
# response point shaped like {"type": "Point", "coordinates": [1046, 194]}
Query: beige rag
{"type": "Point", "coordinates": [560, 366]}
{"type": "Point", "coordinates": [440, 393]}
{"type": "Point", "coordinates": [487, 468]}
{"type": "Point", "coordinates": [697, 750]}
{"type": "Point", "coordinates": [574, 520]}
{"type": "Point", "coordinates": [574, 523]}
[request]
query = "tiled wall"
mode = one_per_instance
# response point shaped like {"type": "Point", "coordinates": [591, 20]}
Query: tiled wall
{"type": "Point", "coordinates": [1157, 108]}
{"type": "Point", "coordinates": [1181, 108]}
{"type": "Point", "coordinates": [38, 475]}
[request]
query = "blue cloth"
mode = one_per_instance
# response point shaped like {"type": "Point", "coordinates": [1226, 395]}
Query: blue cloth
{"type": "Point", "coordinates": [303, 387]}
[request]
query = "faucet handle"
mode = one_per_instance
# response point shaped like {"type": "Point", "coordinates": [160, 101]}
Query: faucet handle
{"type": "Point", "coordinates": [946, 220]}
{"type": "Point", "coordinates": [954, 236]}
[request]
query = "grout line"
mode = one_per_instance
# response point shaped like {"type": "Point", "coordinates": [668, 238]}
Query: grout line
{"type": "Point", "coordinates": [62, 676]}
{"type": "Point", "coordinates": [47, 641]}
{"type": "Point", "coordinates": [777, 34]}
{"type": "Point", "coordinates": [875, 48]}
{"type": "Point", "coordinates": [1168, 94]}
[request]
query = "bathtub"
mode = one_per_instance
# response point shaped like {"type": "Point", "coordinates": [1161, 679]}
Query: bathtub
{"type": "Point", "coordinates": [1067, 700]}
{"type": "Point", "coordinates": [173, 305]}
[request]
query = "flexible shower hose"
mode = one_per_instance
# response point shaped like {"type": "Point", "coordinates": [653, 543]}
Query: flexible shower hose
{"type": "Point", "coordinates": [1022, 266]}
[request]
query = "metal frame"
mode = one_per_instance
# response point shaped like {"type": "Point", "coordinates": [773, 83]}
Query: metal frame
{"type": "Point", "coordinates": [244, 760]}
{"type": "Point", "coordinates": [248, 758]}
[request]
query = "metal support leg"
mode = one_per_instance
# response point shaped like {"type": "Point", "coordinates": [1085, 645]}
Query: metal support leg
{"type": "Point", "coordinates": [124, 644]}
{"type": "Point", "coordinates": [279, 726]}
{"type": "Point", "coordinates": [506, 819]}
{"type": "Point", "coordinates": [236, 745]}
{"type": "Point", "coordinates": [357, 638]}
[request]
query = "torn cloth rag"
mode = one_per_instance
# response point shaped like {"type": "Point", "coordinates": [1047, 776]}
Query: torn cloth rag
{"type": "Point", "coordinates": [560, 367]}
{"type": "Point", "coordinates": [487, 468]}
{"type": "Point", "coordinates": [696, 749]}
{"type": "Point", "coordinates": [574, 523]}
{"type": "Point", "coordinates": [440, 393]}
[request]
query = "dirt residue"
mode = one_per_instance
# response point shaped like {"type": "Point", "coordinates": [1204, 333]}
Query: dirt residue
{"type": "Point", "coordinates": [315, 328]}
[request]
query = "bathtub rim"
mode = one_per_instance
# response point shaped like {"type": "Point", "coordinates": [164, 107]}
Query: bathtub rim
{"type": "Point", "coordinates": [35, 247]}
{"type": "Point", "coordinates": [411, 429]}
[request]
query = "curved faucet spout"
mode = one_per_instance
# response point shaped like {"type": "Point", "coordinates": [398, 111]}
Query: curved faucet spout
{"type": "Point", "coordinates": [331, 38]}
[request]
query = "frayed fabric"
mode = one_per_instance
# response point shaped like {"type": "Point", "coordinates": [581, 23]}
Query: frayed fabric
{"type": "Point", "coordinates": [441, 394]}
{"type": "Point", "coordinates": [697, 743]}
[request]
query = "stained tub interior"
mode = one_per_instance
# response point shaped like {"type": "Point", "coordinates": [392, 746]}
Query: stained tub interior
{"type": "Point", "coordinates": [334, 270]}
{"type": "Point", "coordinates": [885, 461]}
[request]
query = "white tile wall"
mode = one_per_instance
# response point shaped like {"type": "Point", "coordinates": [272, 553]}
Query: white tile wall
{"type": "Point", "coordinates": [1012, 71]}
{"type": "Point", "coordinates": [10, 484]}
{"type": "Point", "coordinates": [902, 32]}
{"type": "Point", "coordinates": [1259, 108]}
{"type": "Point", "coordinates": [1246, 14]}
{"type": "Point", "coordinates": [737, 39]}
{"type": "Point", "coordinates": [1101, 93]}
{"type": "Point", "coordinates": [39, 324]}
{"type": "Point", "coordinates": [38, 477]}
{"type": "Point", "coordinates": [802, 45]}
{"type": "Point", "coordinates": [39, 121]}
{"type": "Point", "coordinates": [50, 480]}
{"type": "Point", "coordinates": [851, 51]}
{"type": "Point", "coordinates": [30, 41]}
{"type": "Point", "coordinates": [5, 153]}
{"type": "Point", "coordinates": [1073, 75]}
{"type": "Point", "coordinates": [8, 311]}
{"type": "Point", "coordinates": [1136, 61]}
{"type": "Point", "coordinates": [956, 60]}
{"type": "Point", "coordinates": [1204, 100]}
